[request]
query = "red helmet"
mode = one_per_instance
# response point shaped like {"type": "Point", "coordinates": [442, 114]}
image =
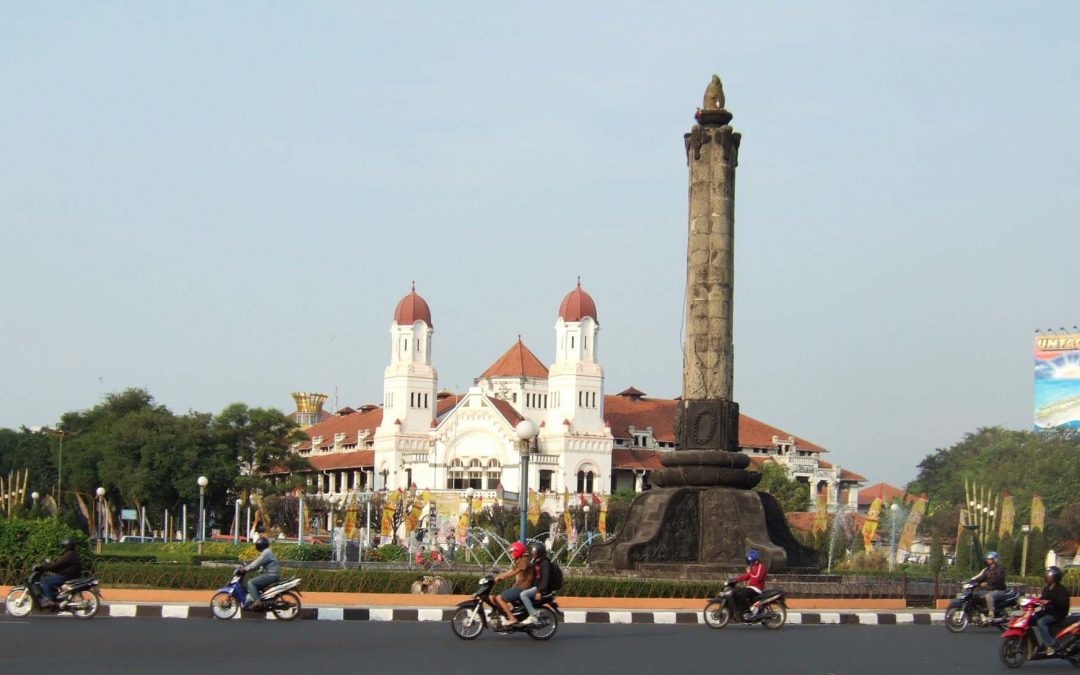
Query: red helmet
{"type": "Point", "coordinates": [517, 550]}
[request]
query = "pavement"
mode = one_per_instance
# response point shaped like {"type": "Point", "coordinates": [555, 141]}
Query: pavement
{"type": "Point", "coordinates": [134, 646]}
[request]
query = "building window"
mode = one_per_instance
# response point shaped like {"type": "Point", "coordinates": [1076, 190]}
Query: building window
{"type": "Point", "coordinates": [545, 480]}
{"type": "Point", "coordinates": [476, 475]}
{"type": "Point", "coordinates": [494, 474]}
{"type": "Point", "coordinates": [571, 342]}
{"type": "Point", "coordinates": [427, 400]}
{"type": "Point", "coordinates": [408, 477]}
{"type": "Point", "coordinates": [585, 342]}
{"type": "Point", "coordinates": [455, 476]}
{"type": "Point", "coordinates": [585, 482]}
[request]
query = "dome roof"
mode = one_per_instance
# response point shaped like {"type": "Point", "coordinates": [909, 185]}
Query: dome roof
{"type": "Point", "coordinates": [577, 305]}
{"type": "Point", "coordinates": [411, 309]}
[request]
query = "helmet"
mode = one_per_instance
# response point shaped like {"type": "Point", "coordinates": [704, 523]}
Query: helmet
{"type": "Point", "coordinates": [262, 543]}
{"type": "Point", "coordinates": [752, 556]}
{"type": "Point", "coordinates": [1054, 572]}
{"type": "Point", "coordinates": [517, 550]}
{"type": "Point", "coordinates": [538, 549]}
{"type": "Point", "coordinates": [67, 543]}
{"type": "Point", "coordinates": [992, 555]}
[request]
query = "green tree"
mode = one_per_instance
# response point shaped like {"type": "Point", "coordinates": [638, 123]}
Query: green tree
{"type": "Point", "coordinates": [937, 555]}
{"type": "Point", "coordinates": [260, 441]}
{"type": "Point", "coordinates": [792, 495]}
{"type": "Point", "coordinates": [965, 556]}
{"type": "Point", "coordinates": [1007, 550]}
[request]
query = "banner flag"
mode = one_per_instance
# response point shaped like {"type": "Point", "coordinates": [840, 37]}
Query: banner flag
{"type": "Point", "coordinates": [871, 524]}
{"type": "Point", "coordinates": [821, 518]}
{"type": "Point", "coordinates": [601, 524]}
{"type": "Point", "coordinates": [911, 526]}
{"type": "Point", "coordinates": [1008, 516]}
{"type": "Point", "coordinates": [534, 507]}
{"type": "Point", "coordinates": [1038, 513]}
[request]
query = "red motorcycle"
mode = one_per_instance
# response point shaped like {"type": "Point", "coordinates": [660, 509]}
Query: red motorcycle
{"type": "Point", "coordinates": [1020, 644]}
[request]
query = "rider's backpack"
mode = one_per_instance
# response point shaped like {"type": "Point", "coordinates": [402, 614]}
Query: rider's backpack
{"type": "Point", "coordinates": [555, 582]}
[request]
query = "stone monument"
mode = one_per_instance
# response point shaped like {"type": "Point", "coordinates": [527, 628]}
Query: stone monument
{"type": "Point", "coordinates": [703, 515]}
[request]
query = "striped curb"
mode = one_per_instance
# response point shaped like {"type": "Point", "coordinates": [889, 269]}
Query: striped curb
{"type": "Point", "coordinates": [428, 614]}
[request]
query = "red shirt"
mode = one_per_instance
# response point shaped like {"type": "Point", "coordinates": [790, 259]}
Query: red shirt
{"type": "Point", "coordinates": [754, 577]}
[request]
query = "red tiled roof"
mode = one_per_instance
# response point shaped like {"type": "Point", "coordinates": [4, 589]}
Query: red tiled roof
{"type": "Point", "coordinates": [844, 473]}
{"type": "Point", "coordinates": [627, 458]}
{"type": "Point", "coordinates": [350, 425]}
{"type": "Point", "coordinates": [506, 410]}
{"type": "Point", "coordinates": [888, 493]}
{"type": "Point", "coordinates": [411, 309]}
{"type": "Point", "coordinates": [631, 392]}
{"type": "Point", "coordinates": [446, 403]}
{"type": "Point", "coordinates": [577, 305]}
{"type": "Point", "coordinates": [518, 361]}
{"type": "Point", "coordinates": [359, 459]}
{"type": "Point", "coordinates": [659, 413]}
{"type": "Point", "coordinates": [803, 521]}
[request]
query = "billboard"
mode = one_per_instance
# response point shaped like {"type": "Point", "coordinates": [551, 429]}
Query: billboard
{"type": "Point", "coordinates": [1057, 380]}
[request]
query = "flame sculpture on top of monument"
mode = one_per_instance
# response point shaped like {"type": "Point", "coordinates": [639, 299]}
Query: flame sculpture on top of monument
{"type": "Point", "coordinates": [704, 516]}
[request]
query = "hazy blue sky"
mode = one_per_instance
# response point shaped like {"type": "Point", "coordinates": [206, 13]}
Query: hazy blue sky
{"type": "Point", "coordinates": [224, 201]}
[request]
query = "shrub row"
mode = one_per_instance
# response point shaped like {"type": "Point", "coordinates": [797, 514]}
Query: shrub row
{"type": "Point", "coordinates": [211, 550]}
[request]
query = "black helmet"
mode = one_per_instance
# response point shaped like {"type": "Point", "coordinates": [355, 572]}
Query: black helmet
{"type": "Point", "coordinates": [538, 549]}
{"type": "Point", "coordinates": [1054, 572]}
{"type": "Point", "coordinates": [262, 543]}
{"type": "Point", "coordinates": [67, 543]}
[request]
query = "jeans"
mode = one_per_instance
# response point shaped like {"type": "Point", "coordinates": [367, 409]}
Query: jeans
{"type": "Point", "coordinates": [255, 586]}
{"type": "Point", "coordinates": [527, 596]}
{"type": "Point", "coordinates": [1042, 629]}
{"type": "Point", "coordinates": [50, 583]}
{"type": "Point", "coordinates": [992, 599]}
{"type": "Point", "coordinates": [511, 594]}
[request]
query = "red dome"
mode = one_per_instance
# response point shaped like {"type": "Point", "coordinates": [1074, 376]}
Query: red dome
{"type": "Point", "coordinates": [411, 309]}
{"type": "Point", "coordinates": [577, 305]}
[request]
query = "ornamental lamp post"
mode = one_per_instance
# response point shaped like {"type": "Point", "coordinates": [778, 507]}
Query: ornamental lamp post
{"type": "Point", "coordinates": [236, 520]}
{"type": "Point", "coordinates": [894, 509]}
{"type": "Point", "coordinates": [468, 518]}
{"type": "Point", "coordinates": [588, 535]}
{"type": "Point", "coordinates": [527, 432]}
{"type": "Point", "coordinates": [202, 481]}
{"type": "Point", "coordinates": [1026, 529]}
{"type": "Point", "coordinates": [100, 493]}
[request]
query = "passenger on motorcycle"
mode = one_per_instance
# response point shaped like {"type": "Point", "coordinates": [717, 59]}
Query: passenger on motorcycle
{"type": "Point", "coordinates": [991, 582]}
{"type": "Point", "coordinates": [271, 571]}
{"type": "Point", "coordinates": [754, 578]}
{"type": "Point", "coordinates": [523, 573]}
{"type": "Point", "coordinates": [65, 568]}
{"type": "Point", "coordinates": [1055, 611]}
{"type": "Point", "coordinates": [541, 566]}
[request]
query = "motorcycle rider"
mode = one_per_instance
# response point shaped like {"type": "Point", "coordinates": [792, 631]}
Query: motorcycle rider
{"type": "Point", "coordinates": [541, 579]}
{"type": "Point", "coordinates": [523, 573]}
{"type": "Point", "coordinates": [66, 567]}
{"type": "Point", "coordinates": [1055, 611]}
{"type": "Point", "coordinates": [271, 571]}
{"type": "Point", "coordinates": [991, 582]}
{"type": "Point", "coordinates": [755, 581]}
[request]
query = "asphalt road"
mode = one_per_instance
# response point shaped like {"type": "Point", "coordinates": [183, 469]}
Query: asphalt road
{"type": "Point", "coordinates": [163, 646]}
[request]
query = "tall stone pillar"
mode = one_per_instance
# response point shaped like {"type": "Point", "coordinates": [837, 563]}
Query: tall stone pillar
{"type": "Point", "coordinates": [702, 516]}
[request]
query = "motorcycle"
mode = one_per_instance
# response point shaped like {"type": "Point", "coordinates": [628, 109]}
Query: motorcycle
{"type": "Point", "coordinates": [80, 597]}
{"type": "Point", "coordinates": [480, 612]}
{"type": "Point", "coordinates": [1019, 643]}
{"type": "Point", "coordinates": [769, 609]}
{"type": "Point", "coordinates": [279, 598]}
{"type": "Point", "coordinates": [969, 609]}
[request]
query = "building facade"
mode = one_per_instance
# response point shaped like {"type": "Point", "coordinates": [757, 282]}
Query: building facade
{"type": "Point", "coordinates": [589, 442]}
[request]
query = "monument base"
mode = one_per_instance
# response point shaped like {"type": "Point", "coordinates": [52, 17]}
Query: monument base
{"type": "Point", "coordinates": [696, 529]}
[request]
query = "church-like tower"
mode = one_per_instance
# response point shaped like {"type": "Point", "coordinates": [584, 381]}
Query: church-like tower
{"type": "Point", "coordinates": [576, 380]}
{"type": "Point", "coordinates": [409, 390]}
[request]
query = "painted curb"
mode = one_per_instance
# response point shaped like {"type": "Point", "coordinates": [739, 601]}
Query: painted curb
{"type": "Point", "coordinates": [429, 614]}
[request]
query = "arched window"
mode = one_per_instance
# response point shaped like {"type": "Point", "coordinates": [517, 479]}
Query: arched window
{"type": "Point", "coordinates": [476, 475]}
{"type": "Point", "coordinates": [585, 481]}
{"type": "Point", "coordinates": [455, 475]}
{"type": "Point", "coordinates": [494, 474]}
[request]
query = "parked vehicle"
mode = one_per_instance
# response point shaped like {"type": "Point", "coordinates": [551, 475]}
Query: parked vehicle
{"type": "Point", "coordinates": [1020, 645]}
{"type": "Point", "coordinates": [968, 608]}
{"type": "Point", "coordinates": [769, 609]}
{"type": "Point", "coordinates": [80, 597]}
{"type": "Point", "coordinates": [282, 598]}
{"type": "Point", "coordinates": [479, 612]}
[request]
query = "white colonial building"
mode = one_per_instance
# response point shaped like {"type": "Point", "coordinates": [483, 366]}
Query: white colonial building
{"type": "Point", "coordinates": [589, 442]}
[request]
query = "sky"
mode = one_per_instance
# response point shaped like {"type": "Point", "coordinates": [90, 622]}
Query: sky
{"type": "Point", "coordinates": [224, 202]}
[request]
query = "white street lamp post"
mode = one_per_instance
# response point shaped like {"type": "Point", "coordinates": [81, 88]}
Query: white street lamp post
{"type": "Point", "coordinates": [236, 521]}
{"type": "Point", "coordinates": [895, 510]}
{"type": "Point", "coordinates": [100, 492]}
{"type": "Point", "coordinates": [203, 481]}
{"type": "Point", "coordinates": [527, 432]}
{"type": "Point", "coordinates": [588, 535]}
{"type": "Point", "coordinates": [468, 518]}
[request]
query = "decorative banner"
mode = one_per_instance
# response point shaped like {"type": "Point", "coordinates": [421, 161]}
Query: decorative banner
{"type": "Point", "coordinates": [415, 514]}
{"type": "Point", "coordinates": [571, 531]}
{"type": "Point", "coordinates": [389, 511]}
{"type": "Point", "coordinates": [350, 519]}
{"type": "Point", "coordinates": [1057, 381]}
{"type": "Point", "coordinates": [535, 502]}
{"type": "Point", "coordinates": [964, 516]}
{"type": "Point", "coordinates": [499, 494]}
{"type": "Point", "coordinates": [870, 526]}
{"type": "Point", "coordinates": [601, 525]}
{"type": "Point", "coordinates": [1038, 513]}
{"type": "Point", "coordinates": [1008, 515]}
{"type": "Point", "coordinates": [821, 518]}
{"type": "Point", "coordinates": [907, 536]}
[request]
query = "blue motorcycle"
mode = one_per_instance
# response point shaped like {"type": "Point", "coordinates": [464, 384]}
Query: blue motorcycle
{"type": "Point", "coordinates": [968, 608]}
{"type": "Point", "coordinates": [281, 598]}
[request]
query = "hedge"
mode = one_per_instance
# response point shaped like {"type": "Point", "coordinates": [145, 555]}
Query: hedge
{"type": "Point", "coordinates": [25, 543]}
{"type": "Point", "coordinates": [211, 551]}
